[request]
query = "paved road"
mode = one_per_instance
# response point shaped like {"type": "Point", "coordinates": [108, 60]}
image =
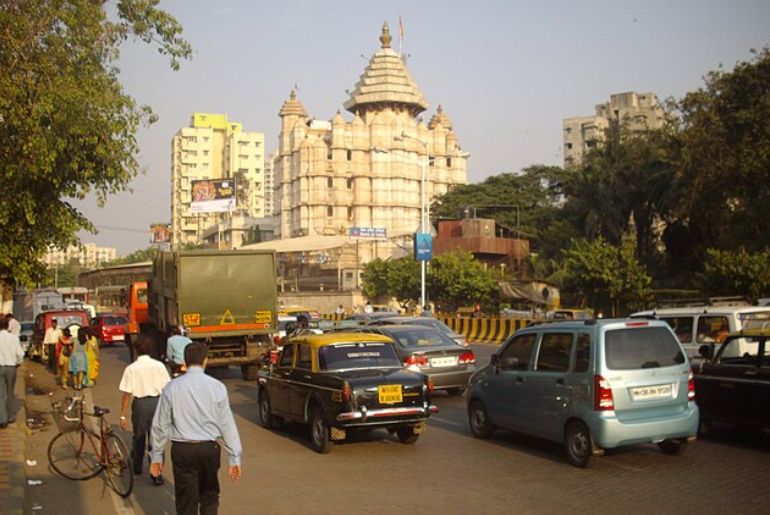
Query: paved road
{"type": "Point", "coordinates": [447, 471]}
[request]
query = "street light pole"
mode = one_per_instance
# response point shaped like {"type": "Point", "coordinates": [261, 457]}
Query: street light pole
{"type": "Point", "coordinates": [423, 303]}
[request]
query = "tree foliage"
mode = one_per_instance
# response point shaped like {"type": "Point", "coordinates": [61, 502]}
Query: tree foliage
{"type": "Point", "coordinates": [137, 256]}
{"type": "Point", "coordinates": [459, 279]}
{"type": "Point", "coordinates": [728, 272]}
{"type": "Point", "coordinates": [67, 129]}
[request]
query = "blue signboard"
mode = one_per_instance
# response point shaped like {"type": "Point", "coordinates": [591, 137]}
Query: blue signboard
{"type": "Point", "coordinates": [423, 246]}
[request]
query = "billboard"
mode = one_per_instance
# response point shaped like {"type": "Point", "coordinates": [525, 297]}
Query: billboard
{"type": "Point", "coordinates": [423, 246]}
{"type": "Point", "coordinates": [212, 195]}
{"type": "Point", "coordinates": [160, 233]}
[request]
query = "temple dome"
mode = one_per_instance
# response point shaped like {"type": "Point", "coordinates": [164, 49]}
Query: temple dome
{"type": "Point", "coordinates": [440, 118]}
{"type": "Point", "coordinates": [293, 107]}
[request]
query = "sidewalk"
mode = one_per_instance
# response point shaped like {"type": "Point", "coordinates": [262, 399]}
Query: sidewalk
{"type": "Point", "coordinates": [12, 450]}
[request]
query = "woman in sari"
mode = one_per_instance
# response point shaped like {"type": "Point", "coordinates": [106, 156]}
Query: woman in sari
{"type": "Point", "coordinates": [92, 353]}
{"type": "Point", "coordinates": [63, 353]}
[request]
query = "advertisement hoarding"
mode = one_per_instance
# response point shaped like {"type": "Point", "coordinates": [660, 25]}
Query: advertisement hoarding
{"type": "Point", "coordinates": [379, 233]}
{"type": "Point", "coordinates": [160, 233]}
{"type": "Point", "coordinates": [212, 196]}
{"type": "Point", "coordinates": [423, 246]}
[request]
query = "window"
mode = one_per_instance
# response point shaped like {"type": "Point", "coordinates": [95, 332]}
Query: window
{"type": "Point", "coordinates": [330, 211]}
{"type": "Point", "coordinates": [304, 356]}
{"type": "Point", "coordinates": [287, 356]}
{"type": "Point", "coordinates": [682, 327]}
{"type": "Point", "coordinates": [350, 184]}
{"type": "Point", "coordinates": [349, 155]}
{"type": "Point", "coordinates": [734, 353]}
{"type": "Point", "coordinates": [516, 354]}
{"type": "Point", "coordinates": [582, 352]}
{"type": "Point", "coordinates": [590, 143]}
{"type": "Point", "coordinates": [329, 153]}
{"type": "Point", "coordinates": [554, 352]}
{"type": "Point", "coordinates": [205, 152]}
{"type": "Point", "coordinates": [431, 160]}
{"type": "Point", "coordinates": [329, 182]}
{"type": "Point", "coordinates": [449, 162]}
{"type": "Point", "coordinates": [712, 329]}
{"type": "Point", "coordinates": [648, 347]}
{"type": "Point", "coordinates": [350, 213]}
{"type": "Point", "coordinates": [569, 146]}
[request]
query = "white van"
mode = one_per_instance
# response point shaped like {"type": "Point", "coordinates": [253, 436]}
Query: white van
{"type": "Point", "coordinates": [696, 326]}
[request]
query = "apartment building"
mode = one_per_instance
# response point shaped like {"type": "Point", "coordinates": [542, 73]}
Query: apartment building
{"type": "Point", "coordinates": [87, 255]}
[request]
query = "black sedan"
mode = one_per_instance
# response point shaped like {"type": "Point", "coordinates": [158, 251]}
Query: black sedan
{"type": "Point", "coordinates": [733, 384]}
{"type": "Point", "coordinates": [340, 382]}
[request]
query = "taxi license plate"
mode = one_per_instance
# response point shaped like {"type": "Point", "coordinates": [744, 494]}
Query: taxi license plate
{"type": "Point", "coordinates": [119, 337]}
{"type": "Point", "coordinates": [646, 393]}
{"type": "Point", "coordinates": [389, 393]}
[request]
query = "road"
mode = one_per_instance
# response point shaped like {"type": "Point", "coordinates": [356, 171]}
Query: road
{"type": "Point", "coordinates": [446, 471]}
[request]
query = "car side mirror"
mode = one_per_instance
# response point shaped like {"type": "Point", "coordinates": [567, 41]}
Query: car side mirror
{"type": "Point", "coordinates": [706, 351]}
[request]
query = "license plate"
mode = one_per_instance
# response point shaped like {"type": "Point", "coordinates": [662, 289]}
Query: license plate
{"type": "Point", "coordinates": [645, 393]}
{"type": "Point", "coordinates": [118, 337]}
{"type": "Point", "coordinates": [389, 393]}
{"type": "Point", "coordinates": [447, 361]}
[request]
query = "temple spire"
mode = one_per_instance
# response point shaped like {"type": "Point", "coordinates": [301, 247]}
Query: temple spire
{"type": "Point", "coordinates": [385, 38]}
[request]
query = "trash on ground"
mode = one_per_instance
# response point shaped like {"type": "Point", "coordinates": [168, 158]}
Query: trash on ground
{"type": "Point", "coordinates": [34, 482]}
{"type": "Point", "coordinates": [31, 463]}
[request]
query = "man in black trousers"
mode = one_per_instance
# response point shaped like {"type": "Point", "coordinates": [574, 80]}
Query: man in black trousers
{"type": "Point", "coordinates": [194, 413]}
{"type": "Point", "coordinates": [142, 380]}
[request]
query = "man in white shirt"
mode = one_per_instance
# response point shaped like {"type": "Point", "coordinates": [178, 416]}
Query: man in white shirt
{"type": "Point", "coordinates": [11, 356]}
{"type": "Point", "coordinates": [14, 327]}
{"type": "Point", "coordinates": [142, 380]}
{"type": "Point", "coordinates": [51, 338]}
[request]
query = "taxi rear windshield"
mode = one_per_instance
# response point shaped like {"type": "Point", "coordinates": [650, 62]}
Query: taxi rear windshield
{"type": "Point", "coordinates": [644, 347]}
{"type": "Point", "coordinates": [357, 355]}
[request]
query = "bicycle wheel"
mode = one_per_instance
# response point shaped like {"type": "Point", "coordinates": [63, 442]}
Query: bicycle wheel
{"type": "Point", "coordinates": [120, 473]}
{"type": "Point", "coordinates": [72, 455]}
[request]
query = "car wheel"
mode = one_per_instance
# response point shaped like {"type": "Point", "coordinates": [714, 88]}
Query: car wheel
{"type": "Point", "coordinates": [673, 447]}
{"type": "Point", "coordinates": [478, 420]}
{"type": "Point", "coordinates": [319, 432]}
{"type": "Point", "coordinates": [578, 444]}
{"type": "Point", "coordinates": [406, 435]}
{"type": "Point", "coordinates": [265, 417]}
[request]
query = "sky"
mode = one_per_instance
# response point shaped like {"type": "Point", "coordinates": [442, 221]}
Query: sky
{"type": "Point", "coordinates": [506, 73]}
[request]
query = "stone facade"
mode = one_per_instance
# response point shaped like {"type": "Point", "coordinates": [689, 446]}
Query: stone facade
{"type": "Point", "coordinates": [639, 111]}
{"type": "Point", "coordinates": [366, 172]}
{"type": "Point", "coordinates": [214, 148]}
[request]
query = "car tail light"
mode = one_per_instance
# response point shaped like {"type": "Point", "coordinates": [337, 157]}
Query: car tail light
{"type": "Point", "coordinates": [277, 339]}
{"type": "Point", "coordinates": [637, 324]}
{"type": "Point", "coordinates": [347, 393]}
{"type": "Point", "coordinates": [691, 387]}
{"type": "Point", "coordinates": [467, 357]}
{"type": "Point", "coordinates": [415, 359]}
{"type": "Point", "coordinates": [603, 400]}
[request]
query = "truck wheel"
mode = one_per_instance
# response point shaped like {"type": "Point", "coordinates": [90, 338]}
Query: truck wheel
{"type": "Point", "coordinates": [406, 435]}
{"type": "Point", "coordinates": [249, 372]}
{"type": "Point", "coordinates": [319, 432]}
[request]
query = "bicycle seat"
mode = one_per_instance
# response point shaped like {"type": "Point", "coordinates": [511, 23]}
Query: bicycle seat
{"type": "Point", "coordinates": [98, 412]}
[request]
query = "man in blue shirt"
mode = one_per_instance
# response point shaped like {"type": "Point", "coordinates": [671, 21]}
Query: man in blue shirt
{"type": "Point", "coordinates": [175, 346]}
{"type": "Point", "coordinates": [194, 412]}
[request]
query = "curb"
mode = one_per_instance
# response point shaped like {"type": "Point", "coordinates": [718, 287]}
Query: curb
{"type": "Point", "coordinates": [12, 448]}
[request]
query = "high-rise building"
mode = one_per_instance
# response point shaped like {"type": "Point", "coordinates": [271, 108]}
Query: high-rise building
{"type": "Point", "coordinates": [87, 255]}
{"type": "Point", "coordinates": [639, 111]}
{"type": "Point", "coordinates": [368, 172]}
{"type": "Point", "coordinates": [213, 147]}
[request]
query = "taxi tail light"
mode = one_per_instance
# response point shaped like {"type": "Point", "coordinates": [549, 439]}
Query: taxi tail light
{"type": "Point", "coordinates": [691, 387]}
{"type": "Point", "coordinates": [347, 392]}
{"type": "Point", "coordinates": [603, 400]}
{"type": "Point", "coordinates": [467, 357]}
{"type": "Point", "coordinates": [414, 359]}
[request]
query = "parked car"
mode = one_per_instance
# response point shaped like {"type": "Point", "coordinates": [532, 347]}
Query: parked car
{"type": "Point", "coordinates": [424, 321]}
{"type": "Point", "coordinates": [435, 354]}
{"type": "Point", "coordinates": [70, 319]}
{"type": "Point", "coordinates": [25, 337]}
{"type": "Point", "coordinates": [591, 385]}
{"type": "Point", "coordinates": [698, 325]}
{"type": "Point", "coordinates": [109, 328]}
{"type": "Point", "coordinates": [340, 382]}
{"type": "Point", "coordinates": [733, 383]}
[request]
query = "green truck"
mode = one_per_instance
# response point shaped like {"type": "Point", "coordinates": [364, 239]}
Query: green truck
{"type": "Point", "coordinates": [223, 298]}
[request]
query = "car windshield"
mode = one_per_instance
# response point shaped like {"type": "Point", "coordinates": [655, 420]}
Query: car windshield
{"type": "Point", "coordinates": [66, 321]}
{"type": "Point", "coordinates": [420, 337]}
{"type": "Point", "coordinates": [637, 348]}
{"type": "Point", "coordinates": [344, 356]}
{"type": "Point", "coordinates": [27, 326]}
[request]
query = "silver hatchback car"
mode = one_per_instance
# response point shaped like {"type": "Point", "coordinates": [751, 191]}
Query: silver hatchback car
{"type": "Point", "coordinates": [591, 385]}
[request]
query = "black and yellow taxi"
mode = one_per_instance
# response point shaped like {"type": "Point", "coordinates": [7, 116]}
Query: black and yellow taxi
{"type": "Point", "coordinates": [340, 382]}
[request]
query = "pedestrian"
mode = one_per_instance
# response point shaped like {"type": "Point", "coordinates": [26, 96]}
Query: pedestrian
{"type": "Point", "coordinates": [78, 361]}
{"type": "Point", "coordinates": [50, 343]}
{"type": "Point", "coordinates": [63, 353]}
{"type": "Point", "coordinates": [11, 356]}
{"type": "Point", "coordinates": [368, 307]}
{"type": "Point", "coordinates": [194, 412]}
{"type": "Point", "coordinates": [92, 353]}
{"type": "Point", "coordinates": [175, 346]}
{"type": "Point", "coordinates": [143, 380]}
{"type": "Point", "coordinates": [14, 327]}
{"type": "Point", "coordinates": [340, 310]}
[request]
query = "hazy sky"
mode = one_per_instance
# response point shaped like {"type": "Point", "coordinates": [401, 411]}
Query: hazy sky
{"type": "Point", "coordinates": [506, 72]}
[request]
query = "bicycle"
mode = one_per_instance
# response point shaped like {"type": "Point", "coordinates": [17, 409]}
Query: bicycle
{"type": "Point", "coordinates": [82, 453]}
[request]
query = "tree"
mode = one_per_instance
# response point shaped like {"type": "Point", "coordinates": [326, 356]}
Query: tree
{"type": "Point", "coordinates": [404, 279]}
{"type": "Point", "coordinates": [374, 278]}
{"type": "Point", "coordinates": [67, 127]}
{"type": "Point", "coordinates": [458, 279]}
{"type": "Point", "coordinates": [137, 256]}
{"type": "Point", "coordinates": [736, 272]}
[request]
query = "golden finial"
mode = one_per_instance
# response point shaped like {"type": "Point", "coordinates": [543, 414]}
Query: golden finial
{"type": "Point", "coordinates": [293, 95]}
{"type": "Point", "coordinates": [385, 38]}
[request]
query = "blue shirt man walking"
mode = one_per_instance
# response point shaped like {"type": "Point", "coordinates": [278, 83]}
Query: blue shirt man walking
{"type": "Point", "coordinates": [175, 347]}
{"type": "Point", "coordinates": [194, 413]}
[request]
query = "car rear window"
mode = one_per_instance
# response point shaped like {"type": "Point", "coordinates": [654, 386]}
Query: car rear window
{"type": "Point", "coordinates": [421, 338]}
{"type": "Point", "coordinates": [357, 355]}
{"type": "Point", "coordinates": [643, 347]}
